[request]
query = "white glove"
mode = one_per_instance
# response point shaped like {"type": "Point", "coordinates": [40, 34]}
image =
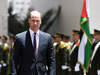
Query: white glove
{"type": "Point", "coordinates": [98, 72]}
{"type": "Point", "coordinates": [77, 67]}
{"type": "Point", "coordinates": [47, 67]}
{"type": "Point", "coordinates": [69, 69]}
{"type": "Point", "coordinates": [64, 67]}
{"type": "Point", "coordinates": [4, 64]}
{"type": "Point", "coordinates": [0, 66]}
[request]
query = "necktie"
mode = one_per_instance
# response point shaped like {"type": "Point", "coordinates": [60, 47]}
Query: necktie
{"type": "Point", "coordinates": [35, 44]}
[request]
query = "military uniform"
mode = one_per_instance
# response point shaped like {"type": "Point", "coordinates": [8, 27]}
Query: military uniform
{"type": "Point", "coordinates": [9, 56]}
{"type": "Point", "coordinates": [95, 58]}
{"type": "Point", "coordinates": [74, 57]}
{"type": "Point", "coordinates": [60, 55]}
{"type": "Point", "coordinates": [0, 57]}
{"type": "Point", "coordinates": [68, 47]}
{"type": "Point", "coordinates": [4, 48]}
{"type": "Point", "coordinates": [11, 40]}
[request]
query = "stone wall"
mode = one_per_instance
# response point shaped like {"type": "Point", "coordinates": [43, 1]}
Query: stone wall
{"type": "Point", "coordinates": [3, 18]}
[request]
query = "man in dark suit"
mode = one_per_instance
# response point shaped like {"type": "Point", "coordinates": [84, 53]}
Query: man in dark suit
{"type": "Point", "coordinates": [35, 49]}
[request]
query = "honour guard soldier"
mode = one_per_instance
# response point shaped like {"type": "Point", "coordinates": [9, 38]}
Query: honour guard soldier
{"type": "Point", "coordinates": [11, 41]}
{"type": "Point", "coordinates": [74, 66]}
{"type": "Point", "coordinates": [4, 55]}
{"type": "Point", "coordinates": [0, 56]}
{"type": "Point", "coordinates": [67, 40]}
{"type": "Point", "coordinates": [60, 54]}
{"type": "Point", "coordinates": [95, 58]}
{"type": "Point", "coordinates": [68, 47]}
{"type": "Point", "coordinates": [54, 43]}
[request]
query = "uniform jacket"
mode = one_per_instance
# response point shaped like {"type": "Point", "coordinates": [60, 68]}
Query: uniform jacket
{"type": "Point", "coordinates": [4, 49]}
{"type": "Point", "coordinates": [24, 50]}
{"type": "Point", "coordinates": [60, 55]}
{"type": "Point", "coordinates": [95, 63]}
{"type": "Point", "coordinates": [74, 56]}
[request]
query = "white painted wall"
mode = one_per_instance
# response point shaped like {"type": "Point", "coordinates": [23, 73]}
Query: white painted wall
{"type": "Point", "coordinates": [69, 17]}
{"type": "Point", "coordinates": [3, 18]}
{"type": "Point", "coordinates": [94, 15]}
{"type": "Point", "coordinates": [70, 14]}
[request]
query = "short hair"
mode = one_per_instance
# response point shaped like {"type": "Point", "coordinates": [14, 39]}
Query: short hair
{"type": "Point", "coordinates": [35, 11]}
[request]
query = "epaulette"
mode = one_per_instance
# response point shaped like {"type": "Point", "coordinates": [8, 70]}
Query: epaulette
{"type": "Point", "coordinates": [70, 43]}
{"type": "Point", "coordinates": [68, 47]}
{"type": "Point", "coordinates": [1, 61]}
{"type": "Point", "coordinates": [5, 46]}
{"type": "Point", "coordinates": [62, 44]}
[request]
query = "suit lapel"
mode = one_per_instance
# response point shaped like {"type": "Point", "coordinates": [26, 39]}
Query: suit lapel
{"type": "Point", "coordinates": [40, 44]}
{"type": "Point", "coordinates": [29, 43]}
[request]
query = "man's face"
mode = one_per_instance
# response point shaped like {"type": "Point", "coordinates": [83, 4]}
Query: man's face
{"type": "Point", "coordinates": [96, 36]}
{"type": "Point", "coordinates": [3, 41]}
{"type": "Point", "coordinates": [64, 40]}
{"type": "Point", "coordinates": [75, 37]}
{"type": "Point", "coordinates": [53, 40]}
{"type": "Point", "coordinates": [11, 40]}
{"type": "Point", "coordinates": [35, 21]}
{"type": "Point", "coordinates": [58, 39]}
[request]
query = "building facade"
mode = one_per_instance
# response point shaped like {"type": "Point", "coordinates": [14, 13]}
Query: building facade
{"type": "Point", "coordinates": [20, 7]}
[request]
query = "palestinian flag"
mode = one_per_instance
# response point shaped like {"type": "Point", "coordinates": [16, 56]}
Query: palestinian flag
{"type": "Point", "coordinates": [84, 52]}
{"type": "Point", "coordinates": [73, 48]}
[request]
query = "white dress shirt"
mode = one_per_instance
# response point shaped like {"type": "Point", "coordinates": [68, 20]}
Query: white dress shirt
{"type": "Point", "coordinates": [37, 38]}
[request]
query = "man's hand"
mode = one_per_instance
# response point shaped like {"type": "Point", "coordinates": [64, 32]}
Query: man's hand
{"type": "Point", "coordinates": [0, 66]}
{"type": "Point", "coordinates": [4, 64]}
{"type": "Point", "coordinates": [69, 69]}
{"type": "Point", "coordinates": [64, 67]}
{"type": "Point", "coordinates": [98, 72]}
{"type": "Point", "coordinates": [77, 67]}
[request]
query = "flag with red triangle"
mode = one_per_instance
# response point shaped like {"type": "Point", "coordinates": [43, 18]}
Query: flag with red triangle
{"type": "Point", "coordinates": [84, 52]}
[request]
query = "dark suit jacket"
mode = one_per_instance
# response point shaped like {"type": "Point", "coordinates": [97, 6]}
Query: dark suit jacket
{"type": "Point", "coordinates": [28, 64]}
